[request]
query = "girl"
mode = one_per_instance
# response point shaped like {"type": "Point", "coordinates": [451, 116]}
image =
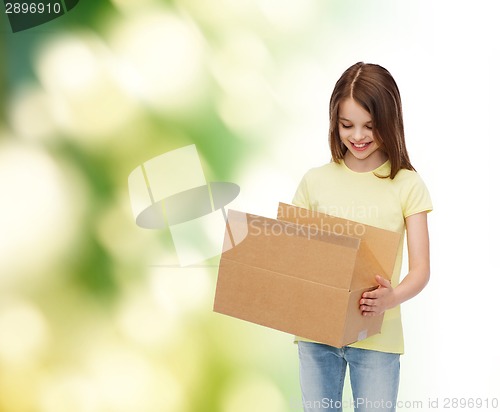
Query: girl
{"type": "Point", "coordinates": [370, 180]}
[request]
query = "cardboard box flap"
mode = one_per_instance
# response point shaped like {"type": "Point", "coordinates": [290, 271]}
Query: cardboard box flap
{"type": "Point", "coordinates": [382, 244]}
{"type": "Point", "coordinates": [292, 249]}
{"type": "Point", "coordinates": [366, 268]}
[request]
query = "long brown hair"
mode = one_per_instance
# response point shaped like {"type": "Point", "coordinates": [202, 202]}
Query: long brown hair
{"type": "Point", "coordinates": [374, 88]}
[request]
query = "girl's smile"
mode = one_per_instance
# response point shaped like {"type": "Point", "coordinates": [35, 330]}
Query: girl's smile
{"type": "Point", "coordinates": [360, 146]}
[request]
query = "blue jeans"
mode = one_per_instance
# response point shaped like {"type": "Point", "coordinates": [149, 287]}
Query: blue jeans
{"type": "Point", "coordinates": [374, 378]}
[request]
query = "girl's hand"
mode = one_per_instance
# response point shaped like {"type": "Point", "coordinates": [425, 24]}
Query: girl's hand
{"type": "Point", "coordinates": [379, 300]}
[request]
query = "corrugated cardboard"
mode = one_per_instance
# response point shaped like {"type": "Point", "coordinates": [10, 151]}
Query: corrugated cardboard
{"type": "Point", "coordinates": [303, 273]}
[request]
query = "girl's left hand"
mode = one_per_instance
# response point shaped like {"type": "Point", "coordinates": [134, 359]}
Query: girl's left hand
{"type": "Point", "coordinates": [379, 300]}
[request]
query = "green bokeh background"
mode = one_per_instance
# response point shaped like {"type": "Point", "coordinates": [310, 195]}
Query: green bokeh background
{"type": "Point", "coordinates": [94, 315]}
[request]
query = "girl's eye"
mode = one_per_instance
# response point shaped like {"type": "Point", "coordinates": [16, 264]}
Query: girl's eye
{"type": "Point", "coordinates": [345, 126]}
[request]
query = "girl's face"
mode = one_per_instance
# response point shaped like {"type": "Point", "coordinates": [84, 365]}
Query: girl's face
{"type": "Point", "coordinates": [355, 129]}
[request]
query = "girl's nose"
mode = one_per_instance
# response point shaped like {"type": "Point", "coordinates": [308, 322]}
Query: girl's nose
{"type": "Point", "coordinates": [358, 135]}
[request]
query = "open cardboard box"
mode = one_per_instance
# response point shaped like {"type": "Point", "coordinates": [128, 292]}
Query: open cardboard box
{"type": "Point", "coordinates": [303, 273]}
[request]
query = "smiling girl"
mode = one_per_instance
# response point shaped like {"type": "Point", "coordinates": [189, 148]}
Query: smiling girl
{"type": "Point", "coordinates": [370, 180]}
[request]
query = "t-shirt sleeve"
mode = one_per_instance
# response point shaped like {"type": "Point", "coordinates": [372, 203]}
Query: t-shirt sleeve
{"type": "Point", "coordinates": [417, 198]}
{"type": "Point", "coordinates": [301, 197]}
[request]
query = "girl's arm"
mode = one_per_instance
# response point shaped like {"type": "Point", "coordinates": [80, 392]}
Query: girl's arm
{"type": "Point", "coordinates": [385, 296]}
